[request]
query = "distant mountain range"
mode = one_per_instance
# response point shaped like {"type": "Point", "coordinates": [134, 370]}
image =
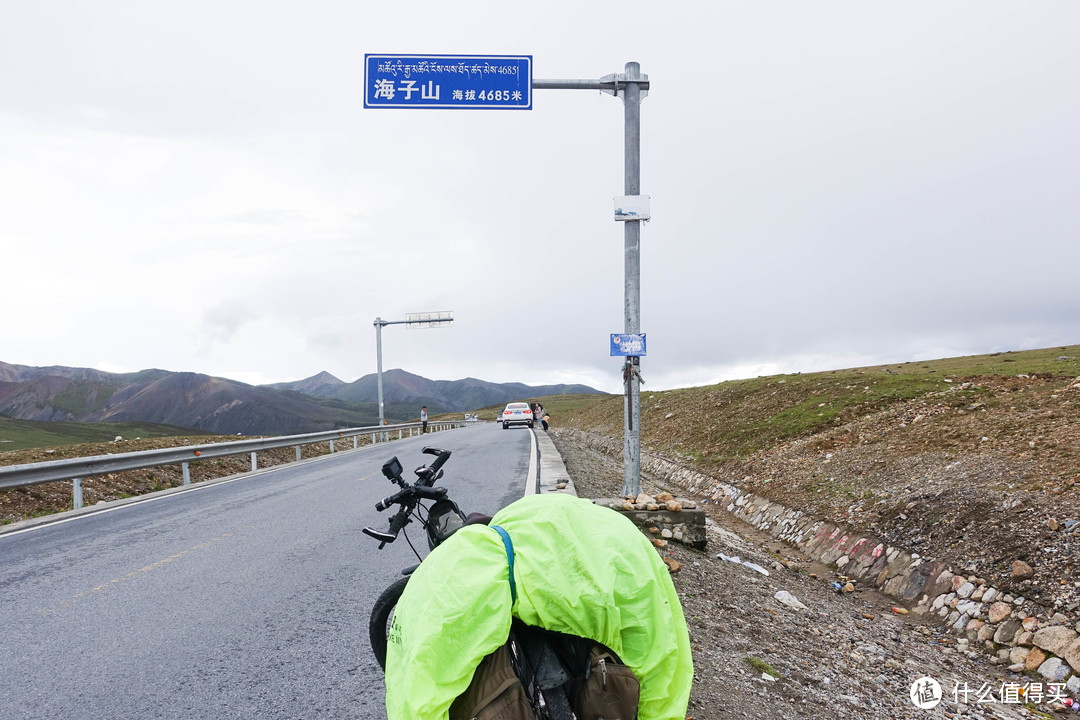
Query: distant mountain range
{"type": "Point", "coordinates": [320, 402]}
{"type": "Point", "coordinates": [404, 388]}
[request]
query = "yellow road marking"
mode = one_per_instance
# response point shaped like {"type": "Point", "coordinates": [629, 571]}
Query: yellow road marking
{"type": "Point", "coordinates": [132, 575]}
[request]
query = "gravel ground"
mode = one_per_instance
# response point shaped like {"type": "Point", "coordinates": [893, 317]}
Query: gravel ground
{"type": "Point", "coordinates": [844, 656]}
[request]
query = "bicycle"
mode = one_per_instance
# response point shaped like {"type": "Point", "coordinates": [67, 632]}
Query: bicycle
{"type": "Point", "coordinates": [537, 655]}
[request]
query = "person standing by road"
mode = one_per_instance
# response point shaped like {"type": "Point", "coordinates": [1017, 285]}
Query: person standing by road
{"type": "Point", "coordinates": [423, 420]}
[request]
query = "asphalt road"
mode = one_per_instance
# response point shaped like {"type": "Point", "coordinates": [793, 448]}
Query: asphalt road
{"type": "Point", "coordinates": [243, 599]}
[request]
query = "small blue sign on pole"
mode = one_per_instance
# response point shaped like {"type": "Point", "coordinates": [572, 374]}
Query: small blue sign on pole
{"type": "Point", "coordinates": [628, 345]}
{"type": "Point", "coordinates": [497, 82]}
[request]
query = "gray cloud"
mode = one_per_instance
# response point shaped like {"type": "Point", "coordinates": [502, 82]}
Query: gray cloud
{"type": "Point", "coordinates": [830, 184]}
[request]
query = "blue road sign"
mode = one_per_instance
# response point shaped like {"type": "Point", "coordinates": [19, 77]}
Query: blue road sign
{"type": "Point", "coordinates": [628, 345]}
{"type": "Point", "coordinates": [500, 82]}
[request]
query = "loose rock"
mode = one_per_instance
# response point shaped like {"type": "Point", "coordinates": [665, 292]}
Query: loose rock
{"type": "Point", "coordinates": [1022, 571]}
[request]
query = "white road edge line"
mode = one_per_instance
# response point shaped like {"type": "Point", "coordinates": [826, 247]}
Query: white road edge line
{"type": "Point", "coordinates": [530, 479]}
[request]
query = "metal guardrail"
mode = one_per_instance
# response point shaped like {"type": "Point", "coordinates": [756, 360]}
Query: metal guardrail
{"type": "Point", "coordinates": [75, 469]}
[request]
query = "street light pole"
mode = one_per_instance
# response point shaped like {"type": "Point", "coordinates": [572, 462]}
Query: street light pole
{"type": "Point", "coordinates": [413, 320]}
{"type": "Point", "coordinates": [378, 352]}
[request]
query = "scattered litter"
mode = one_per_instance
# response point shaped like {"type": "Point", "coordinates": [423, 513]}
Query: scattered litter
{"type": "Point", "coordinates": [735, 559]}
{"type": "Point", "coordinates": [899, 610]}
{"type": "Point", "coordinates": [786, 598]}
{"type": "Point", "coordinates": [767, 676]}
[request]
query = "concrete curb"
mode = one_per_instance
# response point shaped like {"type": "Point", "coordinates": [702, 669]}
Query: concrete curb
{"type": "Point", "coordinates": [549, 466]}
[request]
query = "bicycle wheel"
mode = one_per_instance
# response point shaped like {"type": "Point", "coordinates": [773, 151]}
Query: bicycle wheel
{"type": "Point", "coordinates": [556, 704]}
{"type": "Point", "coordinates": [382, 613]}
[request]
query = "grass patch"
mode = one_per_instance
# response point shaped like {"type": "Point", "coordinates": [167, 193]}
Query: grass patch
{"type": "Point", "coordinates": [730, 421]}
{"type": "Point", "coordinates": [83, 397]}
{"type": "Point", "coordinates": [23, 434]}
{"type": "Point", "coordinates": [761, 666]}
{"type": "Point", "coordinates": [557, 406]}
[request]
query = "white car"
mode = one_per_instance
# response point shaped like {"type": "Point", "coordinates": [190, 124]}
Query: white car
{"type": "Point", "coordinates": [517, 414]}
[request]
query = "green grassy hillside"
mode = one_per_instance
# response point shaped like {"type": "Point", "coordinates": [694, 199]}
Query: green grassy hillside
{"type": "Point", "coordinates": [736, 419]}
{"type": "Point", "coordinates": [22, 434]}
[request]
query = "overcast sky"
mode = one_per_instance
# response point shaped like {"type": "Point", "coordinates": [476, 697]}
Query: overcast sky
{"type": "Point", "coordinates": [196, 186]}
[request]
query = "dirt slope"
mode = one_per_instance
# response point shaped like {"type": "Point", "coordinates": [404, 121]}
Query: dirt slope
{"type": "Point", "coordinates": [843, 656]}
{"type": "Point", "coordinates": [973, 461]}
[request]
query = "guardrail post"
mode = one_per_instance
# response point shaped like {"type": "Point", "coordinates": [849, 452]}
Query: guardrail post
{"type": "Point", "coordinates": [354, 443]}
{"type": "Point", "coordinates": [297, 453]}
{"type": "Point", "coordinates": [76, 493]}
{"type": "Point", "coordinates": [372, 438]}
{"type": "Point", "coordinates": [254, 464]}
{"type": "Point", "coordinates": [331, 446]}
{"type": "Point", "coordinates": [399, 433]}
{"type": "Point", "coordinates": [187, 473]}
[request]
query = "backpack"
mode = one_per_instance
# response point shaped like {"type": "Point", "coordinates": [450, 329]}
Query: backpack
{"type": "Point", "coordinates": [607, 690]}
{"type": "Point", "coordinates": [495, 692]}
{"type": "Point", "coordinates": [600, 686]}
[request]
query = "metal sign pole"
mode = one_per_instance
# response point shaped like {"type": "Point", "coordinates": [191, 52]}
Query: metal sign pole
{"type": "Point", "coordinates": [631, 86]}
{"type": "Point", "coordinates": [631, 96]}
{"type": "Point", "coordinates": [500, 82]}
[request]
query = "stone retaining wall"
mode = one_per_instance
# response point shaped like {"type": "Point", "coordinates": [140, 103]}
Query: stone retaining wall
{"type": "Point", "coordinates": [1018, 632]}
{"type": "Point", "coordinates": [686, 526]}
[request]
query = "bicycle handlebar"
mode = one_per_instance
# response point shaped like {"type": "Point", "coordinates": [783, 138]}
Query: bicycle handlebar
{"type": "Point", "coordinates": [400, 520]}
{"type": "Point", "coordinates": [431, 493]}
{"type": "Point", "coordinates": [410, 495]}
{"type": "Point", "coordinates": [441, 457]}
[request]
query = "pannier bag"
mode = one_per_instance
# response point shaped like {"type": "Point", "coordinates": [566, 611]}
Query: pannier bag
{"type": "Point", "coordinates": [609, 690]}
{"type": "Point", "coordinates": [495, 692]}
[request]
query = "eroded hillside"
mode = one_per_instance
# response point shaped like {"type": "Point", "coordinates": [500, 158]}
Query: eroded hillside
{"type": "Point", "coordinates": [973, 461]}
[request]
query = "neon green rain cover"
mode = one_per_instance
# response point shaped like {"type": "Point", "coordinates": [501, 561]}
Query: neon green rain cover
{"type": "Point", "coordinates": [580, 569]}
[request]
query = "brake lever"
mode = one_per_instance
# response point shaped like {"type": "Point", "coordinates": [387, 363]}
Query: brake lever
{"type": "Point", "coordinates": [382, 537]}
